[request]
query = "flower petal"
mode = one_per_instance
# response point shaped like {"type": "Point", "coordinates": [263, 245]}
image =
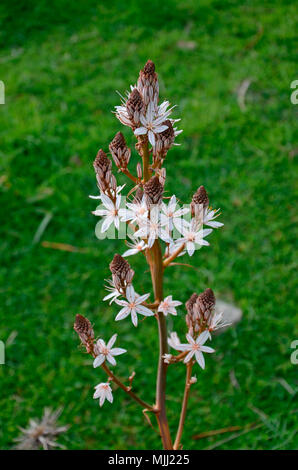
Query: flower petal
{"type": "Point", "coordinates": [117, 351]}
{"type": "Point", "coordinates": [200, 359]}
{"type": "Point", "coordinates": [98, 360]}
{"type": "Point", "coordinates": [112, 341]}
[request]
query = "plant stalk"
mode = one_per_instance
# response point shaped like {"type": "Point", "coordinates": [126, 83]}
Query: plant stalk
{"type": "Point", "coordinates": [184, 405]}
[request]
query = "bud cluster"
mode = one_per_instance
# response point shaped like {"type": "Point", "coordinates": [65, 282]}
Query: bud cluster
{"type": "Point", "coordinates": [103, 170]}
{"type": "Point", "coordinates": [164, 141]}
{"type": "Point", "coordinates": [135, 107]}
{"type": "Point", "coordinates": [148, 83]}
{"type": "Point", "coordinates": [122, 273]}
{"type": "Point", "coordinates": [199, 200]}
{"type": "Point", "coordinates": [153, 190]}
{"type": "Point", "coordinates": [200, 310]}
{"type": "Point", "coordinates": [120, 152]}
{"type": "Point", "coordinates": [84, 329]}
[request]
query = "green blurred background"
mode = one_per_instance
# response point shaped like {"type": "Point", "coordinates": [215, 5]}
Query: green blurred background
{"type": "Point", "coordinates": [61, 63]}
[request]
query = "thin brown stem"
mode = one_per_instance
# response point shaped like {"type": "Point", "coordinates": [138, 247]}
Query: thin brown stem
{"type": "Point", "coordinates": [171, 258]}
{"type": "Point", "coordinates": [129, 175]}
{"type": "Point", "coordinates": [126, 389]}
{"type": "Point", "coordinates": [145, 158]}
{"type": "Point", "coordinates": [184, 405]}
{"type": "Point", "coordinates": [154, 260]}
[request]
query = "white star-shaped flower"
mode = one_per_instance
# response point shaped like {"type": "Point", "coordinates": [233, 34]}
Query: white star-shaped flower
{"type": "Point", "coordinates": [209, 216]}
{"type": "Point", "coordinates": [171, 216]}
{"type": "Point", "coordinates": [174, 341]}
{"type": "Point", "coordinates": [114, 292]}
{"type": "Point", "coordinates": [114, 193]}
{"type": "Point", "coordinates": [135, 212]}
{"type": "Point", "coordinates": [110, 213]}
{"type": "Point", "coordinates": [150, 229]}
{"type": "Point", "coordinates": [106, 352]}
{"type": "Point", "coordinates": [196, 348]}
{"type": "Point", "coordinates": [215, 322]}
{"type": "Point", "coordinates": [193, 236]}
{"type": "Point", "coordinates": [136, 247]}
{"type": "Point", "coordinates": [133, 306]}
{"type": "Point", "coordinates": [152, 124]}
{"type": "Point", "coordinates": [103, 391]}
{"type": "Point", "coordinates": [168, 306]}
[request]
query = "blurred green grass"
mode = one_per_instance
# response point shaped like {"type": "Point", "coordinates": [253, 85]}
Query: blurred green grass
{"type": "Point", "coordinates": [61, 64]}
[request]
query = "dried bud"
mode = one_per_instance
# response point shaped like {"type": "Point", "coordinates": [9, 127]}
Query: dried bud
{"type": "Point", "coordinates": [153, 190]}
{"type": "Point", "coordinates": [119, 151]}
{"type": "Point", "coordinates": [200, 309]}
{"type": "Point", "coordinates": [84, 329]}
{"type": "Point", "coordinates": [149, 70]}
{"type": "Point", "coordinates": [164, 140]}
{"type": "Point", "coordinates": [121, 272]}
{"type": "Point", "coordinates": [190, 303]}
{"type": "Point", "coordinates": [135, 107]}
{"type": "Point", "coordinates": [190, 317]}
{"type": "Point", "coordinates": [102, 166]}
{"type": "Point", "coordinates": [200, 198]}
{"type": "Point", "coordinates": [148, 83]}
{"type": "Point", "coordinates": [138, 195]}
{"type": "Point", "coordinates": [139, 170]}
{"type": "Point", "coordinates": [206, 300]}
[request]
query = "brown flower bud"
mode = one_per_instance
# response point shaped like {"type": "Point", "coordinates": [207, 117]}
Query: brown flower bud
{"type": "Point", "coordinates": [119, 151]}
{"type": "Point", "coordinates": [149, 69]}
{"type": "Point", "coordinates": [206, 300]}
{"type": "Point", "coordinates": [102, 166]}
{"type": "Point", "coordinates": [190, 303]}
{"type": "Point", "coordinates": [84, 329]}
{"type": "Point", "coordinates": [135, 107]}
{"type": "Point", "coordinates": [200, 198]}
{"type": "Point", "coordinates": [139, 170]}
{"type": "Point", "coordinates": [190, 317]}
{"type": "Point", "coordinates": [153, 190]}
{"type": "Point", "coordinates": [121, 272]}
{"type": "Point", "coordinates": [148, 83]}
{"type": "Point", "coordinates": [138, 195]}
{"type": "Point", "coordinates": [164, 140]}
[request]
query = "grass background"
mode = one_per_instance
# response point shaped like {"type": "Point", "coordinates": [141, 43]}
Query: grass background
{"type": "Point", "coordinates": [61, 64]}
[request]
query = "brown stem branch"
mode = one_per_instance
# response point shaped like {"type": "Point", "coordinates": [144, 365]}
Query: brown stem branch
{"type": "Point", "coordinates": [184, 405]}
{"type": "Point", "coordinates": [127, 389]}
{"type": "Point", "coordinates": [171, 258]}
{"type": "Point", "coordinates": [129, 175]}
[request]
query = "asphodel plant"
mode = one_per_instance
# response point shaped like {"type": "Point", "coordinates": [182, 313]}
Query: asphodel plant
{"type": "Point", "coordinates": [162, 229]}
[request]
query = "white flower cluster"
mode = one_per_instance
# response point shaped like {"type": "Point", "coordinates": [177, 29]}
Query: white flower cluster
{"type": "Point", "coordinates": [162, 221]}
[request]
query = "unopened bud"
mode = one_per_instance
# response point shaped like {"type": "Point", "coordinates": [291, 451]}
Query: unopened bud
{"type": "Point", "coordinates": [135, 107]}
{"type": "Point", "coordinates": [84, 329]}
{"type": "Point", "coordinates": [120, 152]}
{"type": "Point", "coordinates": [153, 190]}
{"type": "Point", "coordinates": [200, 198]}
{"type": "Point", "coordinates": [121, 272]}
{"type": "Point", "coordinates": [148, 83]}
